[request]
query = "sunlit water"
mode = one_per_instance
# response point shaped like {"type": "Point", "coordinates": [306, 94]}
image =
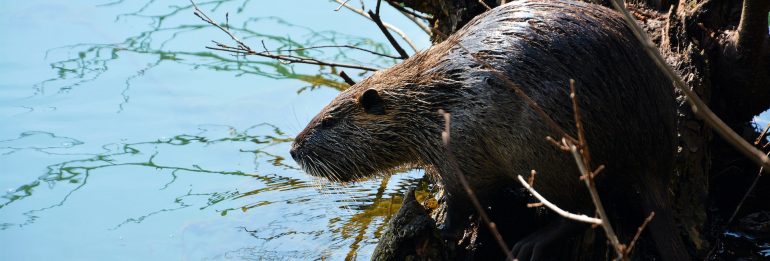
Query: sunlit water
{"type": "Point", "coordinates": [123, 138]}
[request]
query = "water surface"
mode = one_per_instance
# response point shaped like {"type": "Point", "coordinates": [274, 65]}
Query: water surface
{"type": "Point", "coordinates": [123, 138]}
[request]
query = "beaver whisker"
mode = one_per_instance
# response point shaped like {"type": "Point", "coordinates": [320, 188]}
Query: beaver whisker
{"type": "Point", "coordinates": [314, 168]}
{"type": "Point", "coordinates": [330, 171]}
{"type": "Point", "coordinates": [334, 169]}
{"type": "Point", "coordinates": [325, 169]}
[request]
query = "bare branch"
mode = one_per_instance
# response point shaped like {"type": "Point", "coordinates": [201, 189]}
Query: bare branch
{"type": "Point", "coordinates": [697, 105]}
{"type": "Point", "coordinates": [485, 5]}
{"type": "Point", "coordinates": [393, 42]}
{"type": "Point", "coordinates": [579, 125]}
{"type": "Point", "coordinates": [291, 59]}
{"type": "Point", "coordinates": [608, 230]}
{"type": "Point", "coordinates": [761, 135]}
{"type": "Point", "coordinates": [244, 49]}
{"type": "Point", "coordinates": [200, 14]}
{"type": "Point", "coordinates": [471, 195]}
{"type": "Point", "coordinates": [412, 16]}
{"type": "Point", "coordinates": [339, 46]}
{"type": "Point", "coordinates": [347, 78]}
{"type": "Point", "coordinates": [377, 8]}
{"type": "Point", "coordinates": [561, 212]}
{"type": "Point", "coordinates": [581, 156]}
{"type": "Point", "coordinates": [387, 25]}
{"type": "Point", "coordinates": [748, 192]}
{"type": "Point", "coordinates": [639, 233]}
{"type": "Point", "coordinates": [340, 7]}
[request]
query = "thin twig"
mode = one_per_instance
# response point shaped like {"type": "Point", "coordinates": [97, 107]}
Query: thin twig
{"type": "Point", "coordinates": [393, 42]}
{"type": "Point", "coordinates": [583, 144]}
{"type": "Point", "coordinates": [200, 14]}
{"type": "Point", "coordinates": [697, 105]}
{"type": "Point", "coordinates": [340, 7]}
{"type": "Point", "coordinates": [568, 142]}
{"type": "Point", "coordinates": [531, 179]}
{"type": "Point", "coordinates": [347, 78]}
{"type": "Point", "coordinates": [397, 6]}
{"type": "Point", "coordinates": [639, 233]}
{"type": "Point", "coordinates": [411, 15]}
{"type": "Point", "coordinates": [583, 160]}
{"type": "Point", "coordinates": [606, 226]}
{"type": "Point", "coordinates": [244, 49]}
{"type": "Point", "coordinates": [745, 196]}
{"type": "Point", "coordinates": [761, 135]}
{"type": "Point", "coordinates": [339, 46]}
{"type": "Point", "coordinates": [377, 8]}
{"type": "Point", "coordinates": [485, 5]}
{"type": "Point", "coordinates": [561, 212]}
{"type": "Point", "coordinates": [292, 59]}
{"type": "Point", "coordinates": [389, 26]}
{"type": "Point", "coordinates": [445, 137]}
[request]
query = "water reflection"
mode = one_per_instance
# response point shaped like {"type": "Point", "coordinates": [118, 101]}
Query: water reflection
{"type": "Point", "coordinates": [110, 184]}
{"type": "Point", "coordinates": [368, 206]}
{"type": "Point", "coordinates": [143, 154]}
{"type": "Point", "coordinates": [165, 43]}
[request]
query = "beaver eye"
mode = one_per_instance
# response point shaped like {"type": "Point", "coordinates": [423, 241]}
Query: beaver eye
{"type": "Point", "coordinates": [328, 122]}
{"type": "Point", "coordinates": [372, 102]}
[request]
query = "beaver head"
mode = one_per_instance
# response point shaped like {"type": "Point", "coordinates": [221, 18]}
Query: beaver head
{"type": "Point", "coordinates": [384, 122]}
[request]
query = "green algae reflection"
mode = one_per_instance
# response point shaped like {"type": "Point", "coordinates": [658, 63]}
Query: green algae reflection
{"type": "Point", "coordinates": [165, 40]}
{"type": "Point", "coordinates": [143, 154]}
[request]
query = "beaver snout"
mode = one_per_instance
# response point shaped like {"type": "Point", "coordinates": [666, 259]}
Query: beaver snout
{"type": "Point", "coordinates": [293, 152]}
{"type": "Point", "coordinates": [295, 146]}
{"type": "Point", "coordinates": [296, 149]}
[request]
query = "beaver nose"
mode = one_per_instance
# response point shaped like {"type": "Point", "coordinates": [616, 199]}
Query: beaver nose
{"type": "Point", "coordinates": [293, 152]}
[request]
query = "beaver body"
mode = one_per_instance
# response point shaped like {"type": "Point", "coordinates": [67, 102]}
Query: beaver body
{"type": "Point", "coordinates": [390, 119]}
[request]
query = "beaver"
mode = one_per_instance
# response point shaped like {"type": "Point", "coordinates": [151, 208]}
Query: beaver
{"type": "Point", "coordinates": [389, 120]}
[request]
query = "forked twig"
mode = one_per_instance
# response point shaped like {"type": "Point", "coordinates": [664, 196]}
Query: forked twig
{"type": "Point", "coordinates": [578, 147]}
{"type": "Point", "coordinates": [608, 230]}
{"type": "Point", "coordinates": [561, 212]}
{"type": "Point", "coordinates": [243, 49]}
{"type": "Point", "coordinates": [387, 25]}
{"type": "Point", "coordinates": [375, 16]}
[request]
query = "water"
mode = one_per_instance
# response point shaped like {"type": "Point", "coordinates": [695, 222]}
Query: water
{"type": "Point", "coordinates": [123, 138]}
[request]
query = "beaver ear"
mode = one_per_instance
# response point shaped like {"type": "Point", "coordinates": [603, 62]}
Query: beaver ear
{"type": "Point", "coordinates": [372, 102]}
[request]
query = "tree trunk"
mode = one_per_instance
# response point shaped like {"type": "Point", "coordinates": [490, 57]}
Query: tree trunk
{"type": "Point", "coordinates": [720, 48]}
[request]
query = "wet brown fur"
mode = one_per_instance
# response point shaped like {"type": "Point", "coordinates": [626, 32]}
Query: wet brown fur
{"type": "Point", "coordinates": [627, 108]}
